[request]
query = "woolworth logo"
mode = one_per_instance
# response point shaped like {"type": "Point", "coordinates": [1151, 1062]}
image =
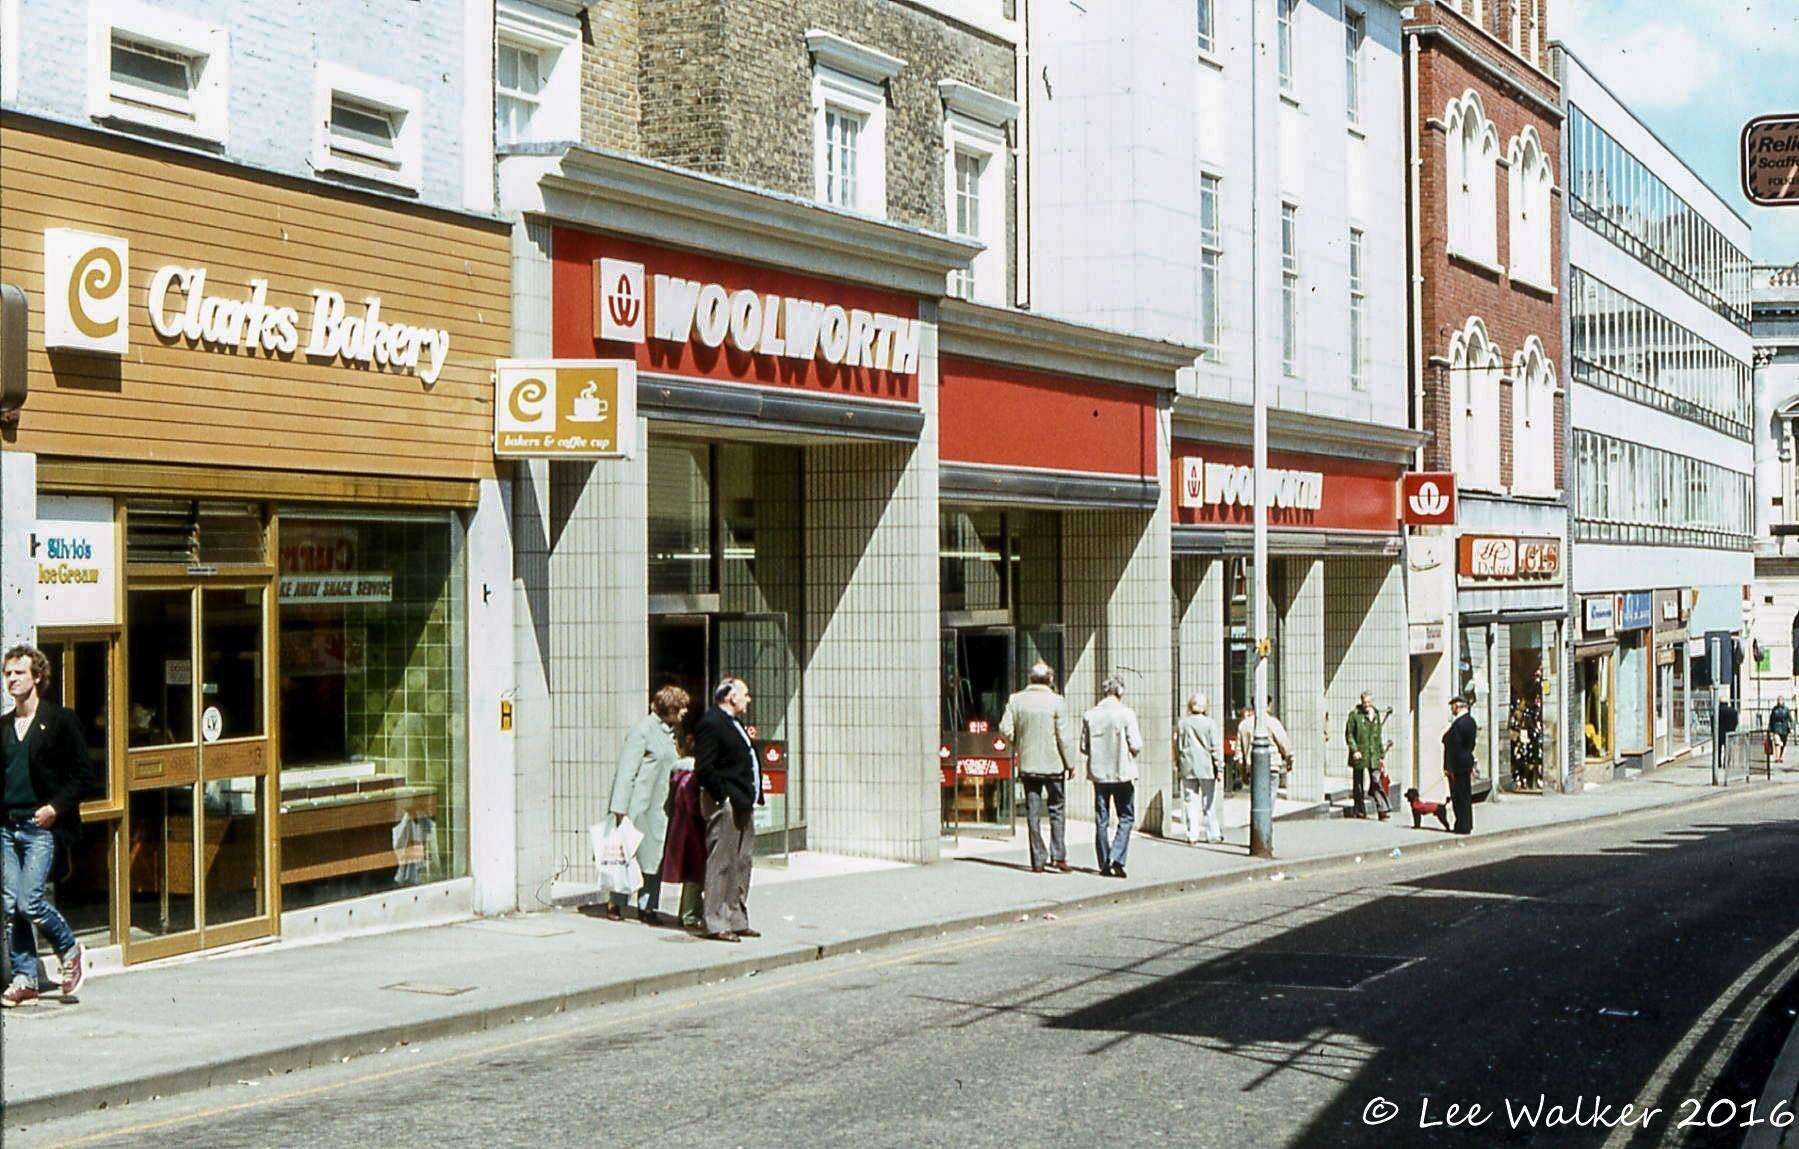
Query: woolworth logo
{"type": "Point", "coordinates": [1429, 500]}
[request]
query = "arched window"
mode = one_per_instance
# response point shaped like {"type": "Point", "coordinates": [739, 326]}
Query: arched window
{"type": "Point", "coordinates": [1474, 370]}
{"type": "Point", "coordinates": [1527, 187]}
{"type": "Point", "coordinates": [1533, 421]}
{"type": "Point", "coordinates": [1473, 153]}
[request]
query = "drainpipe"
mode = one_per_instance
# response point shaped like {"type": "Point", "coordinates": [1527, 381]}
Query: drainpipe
{"type": "Point", "coordinates": [1413, 169]}
{"type": "Point", "coordinates": [1021, 208]}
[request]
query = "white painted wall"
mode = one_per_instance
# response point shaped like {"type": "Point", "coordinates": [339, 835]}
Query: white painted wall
{"type": "Point", "coordinates": [1126, 114]}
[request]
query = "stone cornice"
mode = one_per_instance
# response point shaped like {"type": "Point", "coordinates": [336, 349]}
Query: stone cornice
{"type": "Point", "coordinates": [1219, 421]}
{"type": "Point", "coordinates": [1460, 38]}
{"type": "Point", "coordinates": [1026, 339]}
{"type": "Point", "coordinates": [864, 63]}
{"type": "Point", "coordinates": [976, 103]}
{"type": "Point", "coordinates": [608, 191]}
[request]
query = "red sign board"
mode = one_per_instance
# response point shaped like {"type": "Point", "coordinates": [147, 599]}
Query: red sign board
{"type": "Point", "coordinates": [1771, 160]}
{"type": "Point", "coordinates": [997, 415]}
{"type": "Point", "coordinates": [771, 757]}
{"type": "Point", "coordinates": [1506, 558]}
{"type": "Point", "coordinates": [1428, 499]}
{"type": "Point", "coordinates": [1212, 488]}
{"type": "Point", "coordinates": [701, 317]}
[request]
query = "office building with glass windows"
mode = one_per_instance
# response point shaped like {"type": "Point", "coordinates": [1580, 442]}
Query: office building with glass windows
{"type": "Point", "coordinates": [1661, 444]}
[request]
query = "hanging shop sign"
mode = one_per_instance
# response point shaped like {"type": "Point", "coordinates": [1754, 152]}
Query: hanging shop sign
{"type": "Point", "coordinates": [1215, 485]}
{"type": "Point", "coordinates": [1635, 610]}
{"type": "Point", "coordinates": [1508, 559]}
{"type": "Point", "coordinates": [565, 409]}
{"type": "Point", "coordinates": [1771, 160]}
{"type": "Point", "coordinates": [74, 549]}
{"type": "Point", "coordinates": [1597, 613]}
{"type": "Point", "coordinates": [1428, 499]}
{"type": "Point", "coordinates": [1426, 637]}
{"type": "Point", "coordinates": [85, 309]}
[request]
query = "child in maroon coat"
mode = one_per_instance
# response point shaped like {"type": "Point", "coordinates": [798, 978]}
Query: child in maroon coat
{"type": "Point", "coordinates": [684, 850]}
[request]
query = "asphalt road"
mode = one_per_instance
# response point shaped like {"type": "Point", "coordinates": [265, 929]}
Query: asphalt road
{"type": "Point", "coordinates": [1624, 961]}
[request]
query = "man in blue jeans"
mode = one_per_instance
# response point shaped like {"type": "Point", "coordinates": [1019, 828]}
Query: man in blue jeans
{"type": "Point", "coordinates": [1111, 740]}
{"type": "Point", "coordinates": [47, 773]}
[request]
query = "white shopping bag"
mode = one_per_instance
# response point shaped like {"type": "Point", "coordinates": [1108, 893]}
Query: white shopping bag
{"type": "Point", "coordinates": [615, 853]}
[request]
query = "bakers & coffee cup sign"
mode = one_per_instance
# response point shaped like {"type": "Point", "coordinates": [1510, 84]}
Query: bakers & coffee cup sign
{"type": "Point", "coordinates": [87, 308]}
{"type": "Point", "coordinates": [565, 408]}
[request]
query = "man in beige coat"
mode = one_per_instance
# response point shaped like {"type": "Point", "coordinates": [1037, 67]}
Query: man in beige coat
{"type": "Point", "coordinates": [1036, 724]}
{"type": "Point", "coordinates": [1111, 740]}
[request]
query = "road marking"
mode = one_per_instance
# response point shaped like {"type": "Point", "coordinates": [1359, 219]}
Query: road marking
{"type": "Point", "coordinates": [1708, 1074]}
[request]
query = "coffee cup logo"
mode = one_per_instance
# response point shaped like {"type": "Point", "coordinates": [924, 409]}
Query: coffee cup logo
{"type": "Point", "coordinates": [588, 406]}
{"type": "Point", "coordinates": [85, 281]}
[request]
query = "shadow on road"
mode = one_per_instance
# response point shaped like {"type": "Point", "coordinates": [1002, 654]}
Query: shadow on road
{"type": "Point", "coordinates": [1565, 974]}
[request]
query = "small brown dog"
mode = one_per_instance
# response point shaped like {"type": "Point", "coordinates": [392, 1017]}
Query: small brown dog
{"type": "Point", "coordinates": [1420, 808]}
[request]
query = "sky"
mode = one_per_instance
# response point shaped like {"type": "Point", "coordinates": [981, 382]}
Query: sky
{"type": "Point", "coordinates": [1695, 71]}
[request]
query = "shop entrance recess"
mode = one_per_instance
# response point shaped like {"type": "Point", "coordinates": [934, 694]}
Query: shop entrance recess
{"type": "Point", "coordinates": [198, 717]}
{"type": "Point", "coordinates": [694, 651]}
{"type": "Point", "coordinates": [983, 665]}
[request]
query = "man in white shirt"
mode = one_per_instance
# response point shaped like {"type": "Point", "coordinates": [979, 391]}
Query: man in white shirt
{"type": "Point", "coordinates": [1111, 741]}
{"type": "Point", "coordinates": [1278, 739]}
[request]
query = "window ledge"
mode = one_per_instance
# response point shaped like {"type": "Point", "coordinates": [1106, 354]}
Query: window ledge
{"type": "Point", "coordinates": [1357, 130]}
{"type": "Point", "coordinates": [1210, 59]}
{"type": "Point", "coordinates": [1476, 261]}
{"type": "Point", "coordinates": [1533, 285]}
{"type": "Point", "coordinates": [121, 117]}
{"type": "Point", "coordinates": [1289, 99]}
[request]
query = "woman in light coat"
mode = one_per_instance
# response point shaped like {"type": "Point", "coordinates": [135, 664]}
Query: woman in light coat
{"type": "Point", "coordinates": [640, 793]}
{"type": "Point", "coordinates": [1202, 770]}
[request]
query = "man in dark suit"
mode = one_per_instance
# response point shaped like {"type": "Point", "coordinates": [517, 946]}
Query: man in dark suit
{"type": "Point", "coordinates": [725, 769]}
{"type": "Point", "coordinates": [1458, 763]}
{"type": "Point", "coordinates": [47, 774]}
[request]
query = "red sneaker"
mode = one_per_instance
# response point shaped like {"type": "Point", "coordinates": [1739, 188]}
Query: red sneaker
{"type": "Point", "coordinates": [20, 992]}
{"type": "Point", "coordinates": [74, 970]}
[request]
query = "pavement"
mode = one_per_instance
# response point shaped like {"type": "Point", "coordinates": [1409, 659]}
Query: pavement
{"type": "Point", "coordinates": [245, 1016]}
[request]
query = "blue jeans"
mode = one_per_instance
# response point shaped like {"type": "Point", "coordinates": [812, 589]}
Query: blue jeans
{"type": "Point", "coordinates": [30, 851]}
{"type": "Point", "coordinates": [1123, 797]}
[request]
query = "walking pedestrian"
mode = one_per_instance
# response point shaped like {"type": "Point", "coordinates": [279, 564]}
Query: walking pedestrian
{"type": "Point", "coordinates": [724, 767]}
{"type": "Point", "coordinates": [1780, 728]}
{"type": "Point", "coordinates": [1278, 739]}
{"type": "Point", "coordinates": [1458, 763]}
{"type": "Point", "coordinates": [1366, 749]}
{"type": "Point", "coordinates": [1036, 724]}
{"type": "Point", "coordinates": [1202, 770]}
{"type": "Point", "coordinates": [640, 793]}
{"type": "Point", "coordinates": [1111, 741]}
{"type": "Point", "coordinates": [48, 772]}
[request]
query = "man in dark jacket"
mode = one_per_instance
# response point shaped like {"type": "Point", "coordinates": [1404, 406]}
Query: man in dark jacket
{"type": "Point", "coordinates": [1780, 728]}
{"type": "Point", "coordinates": [47, 774]}
{"type": "Point", "coordinates": [1458, 763]}
{"type": "Point", "coordinates": [725, 769]}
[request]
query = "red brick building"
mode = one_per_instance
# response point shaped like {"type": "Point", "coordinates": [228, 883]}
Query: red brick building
{"type": "Point", "coordinates": [1484, 137]}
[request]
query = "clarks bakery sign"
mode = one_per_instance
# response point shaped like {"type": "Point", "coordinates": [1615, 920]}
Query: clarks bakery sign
{"type": "Point", "coordinates": [87, 308]}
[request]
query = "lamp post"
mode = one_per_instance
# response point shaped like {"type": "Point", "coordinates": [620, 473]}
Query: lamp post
{"type": "Point", "coordinates": [1261, 783]}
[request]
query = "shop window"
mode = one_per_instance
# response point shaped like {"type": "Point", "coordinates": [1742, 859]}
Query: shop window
{"type": "Point", "coordinates": [849, 122]}
{"type": "Point", "coordinates": [1475, 660]}
{"type": "Point", "coordinates": [158, 69]}
{"type": "Point", "coordinates": [367, 127]}
{"type": "Point", "coordinates": [1528, 182]}
{"type": "Point", "coordinates": [680, 518]}
{"type": "Point", "coordinates": [159, 637]}
{"type": "Point", "coordinates": [1530, 758]}
{"type": "Point", "coordinates": [972, 560]}
{"type": "Point", "coordinates": [189, 533]}
{"type": "Point", "coordinates": [1472, 153]}
{"type": "Point", "coordinates": [374, 773]}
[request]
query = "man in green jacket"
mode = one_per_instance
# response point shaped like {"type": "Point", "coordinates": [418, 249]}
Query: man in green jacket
{"type": "Point", "coordinates": [1366, 749]}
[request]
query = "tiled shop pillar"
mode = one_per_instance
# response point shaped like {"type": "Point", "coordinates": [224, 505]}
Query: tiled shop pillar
{"type": "Point", "coordinates": [583, 654]}
{"type": "Point", "coordinates": [1364, 633]}
{"type": "Point", "coordinates": [1118, 602]}
{"type": "Point", "coordinates": [871, 674]}
{"type": "Point", "coordinates": [1300, 593]}
{"type": "Point", "coordinates": [1199, 619]}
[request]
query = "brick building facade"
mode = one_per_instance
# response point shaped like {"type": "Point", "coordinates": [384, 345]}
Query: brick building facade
{"type": "Point", "coordinates": [1486, 124]}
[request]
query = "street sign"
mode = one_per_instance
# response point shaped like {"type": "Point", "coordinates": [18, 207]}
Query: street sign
{"type": "Point", "coordinates": [1771, 160]}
